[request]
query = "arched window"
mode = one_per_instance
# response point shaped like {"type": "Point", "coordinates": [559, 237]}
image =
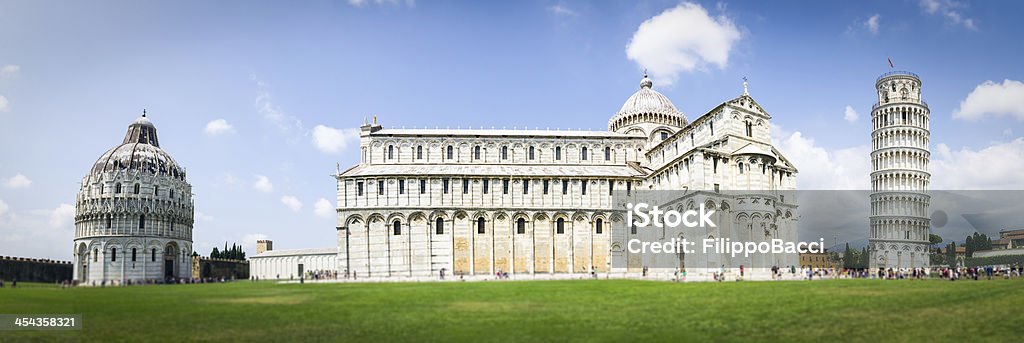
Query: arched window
{"type": "Point", "coordinates": [531, 153]}
{"type": "Point", "coordinates": [95, 255]}
{"type": "Point", "coordinates": [391, 152]}
{"type": "Point", "coordinates": [480, 225]}
{"type": "Point", "coordinates": [664, 135]}
{"type": "Point", "coordinates": [560, 226]}
{"type": "Point", "coordinates": [583, 153]}
{"type": "Point", "coordinates": [142, 221]}
{"type": "Point", "coordinates": [137, 188]}
{"type": "Point", "coordinates": [607, 153]}
{"type": "Point", "coordinates": [521, 226]}
{"type": "Point", "coordinates": [741, 167]}
{"type": "Point", "coordinates": [113, 254]}
{"type": "Point", "coordinates": [599, 226]}
{"type": "Point", "coordinates": [419, 152]}
{"type": "Point", "coordinates": [133, 255]}
{"type": "Point", "coordinates": [439, 226]}
{"type": "Point", "coordinates": [117, 188]}
{"type": "Point", "coordinates": [110, 221]}
{"type": "Point", "coordinates": [476, 152]}
{"type": "Point", "coordinates": [451, 152]}
{"type": "Point", "coordinates": [156, 191]}
{"type": "Point", "coordinates": [632, 229]}
{"type": "Point", "coordinates": [558, 153]}
{"type": "Point", "coordinates": [504, 152]}
{"type": "Point", "coordinates": [152, 255]}
{"type": "Point", "coordinates": [397, 226]}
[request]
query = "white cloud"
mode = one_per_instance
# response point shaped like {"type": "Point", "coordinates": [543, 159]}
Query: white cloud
{"type": "Point", "coordinates": [265, 105]}
{"type": "Point", "coordinates": [823, 169]}
{"type": "Point", "coordinates": [292, 202]}
{"type": "Point", "coordinates": [3, 207]}
{"type": "Point", "coordinates": [850, 114]}
{"type": "Point", "coordinates": [218, 127]}
{"type": "Point", "coordinates": [249, 240]}
{"type": "Point", "coordinates": [263, 184]}
{"type": "Point", "coordinates": [324, 208]}
{"type": "Point", "coordinates": [682, 39]}
{"type": "Point", "coordinates": [990, 98]}
{"type": "Point", "coordinates": [39, 233]}
{"type": "Point", "coordinates": [997, 166]}
{"type": "Point", "coordinates": [949, 9]}
{"type": "Point", "coordinates": [18, 181]}
{"type": "Point", "coordinates": [203, 217]}
{"type": "Point", "coordinates": [10, 69]}
{"type": "Point", "coordinates": [330, 140]}
{"type": "Point", "coordinates": [4, 104]}
{"type": "Point", "coordinates": [562, 10]}
{"type": "Point", "coordinates": [62, 216]}
{"type": "Point", "coordinates": [872, 23]}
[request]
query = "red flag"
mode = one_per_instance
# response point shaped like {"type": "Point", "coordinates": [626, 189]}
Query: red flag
{"type": "Point", "coordinates": [890, 63]}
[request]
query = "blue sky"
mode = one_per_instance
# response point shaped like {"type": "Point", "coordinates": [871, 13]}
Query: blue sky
{"type": "Point", "coordinates": [73, 75]}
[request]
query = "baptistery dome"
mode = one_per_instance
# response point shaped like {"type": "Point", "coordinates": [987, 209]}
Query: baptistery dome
{"type": "Point", "coordinates": [134, 214]}
{"type": "Point", "coordinates": [647, 111]}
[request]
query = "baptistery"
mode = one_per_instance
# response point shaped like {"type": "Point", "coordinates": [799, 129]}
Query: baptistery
{"type": "Point", "coordinates": [134, 214]}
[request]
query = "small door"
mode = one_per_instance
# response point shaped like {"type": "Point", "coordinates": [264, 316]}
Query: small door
{"type": "Point", "coordinates": [300, 270]}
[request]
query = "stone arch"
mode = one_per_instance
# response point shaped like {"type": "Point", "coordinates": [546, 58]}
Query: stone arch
{"type": "Point", "coordinates": [500, 215]}
{"type": "Point", "coordinates": [417, 216]}
{"type": "Point", "coordinates": [396, 215]}
{"type": "Point", "coordinates": [375, 217]}
{"type": "Point", "coordinates": [481, 214]}
{"type": "Point", "coordinates": [438, 214]}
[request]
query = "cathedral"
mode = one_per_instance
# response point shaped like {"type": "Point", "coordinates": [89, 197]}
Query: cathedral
{"type": "Point", "coordinates": [428, 202]}
{"type": "Point", "coordinates": [133, 214]}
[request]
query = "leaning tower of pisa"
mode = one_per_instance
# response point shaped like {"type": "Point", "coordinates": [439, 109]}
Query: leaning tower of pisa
{"type": "Point", "coordinates": [899, 175]}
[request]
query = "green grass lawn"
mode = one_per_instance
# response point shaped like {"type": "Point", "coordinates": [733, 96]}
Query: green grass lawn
{"type": "Point", "coordinates": [601, 310]}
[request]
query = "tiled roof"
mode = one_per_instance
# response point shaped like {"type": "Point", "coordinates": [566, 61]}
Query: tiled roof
{"type": "Point", "coordinates": [296, 252]}
{"type": "Point", "coordinates": [494, 170]}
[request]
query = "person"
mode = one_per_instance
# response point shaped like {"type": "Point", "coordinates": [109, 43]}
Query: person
{"type": "Point", "coordinates": [684, 274]}
{"type": "Point", "coordinates": [741, 271]}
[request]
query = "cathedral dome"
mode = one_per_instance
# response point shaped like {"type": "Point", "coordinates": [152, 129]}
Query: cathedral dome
{"type": "Point", "coordinates": [647, 105]}
{"type": "Point", "coordinates": [647, 100]}
{"type": "Point", "coordinates": [140, 151]}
